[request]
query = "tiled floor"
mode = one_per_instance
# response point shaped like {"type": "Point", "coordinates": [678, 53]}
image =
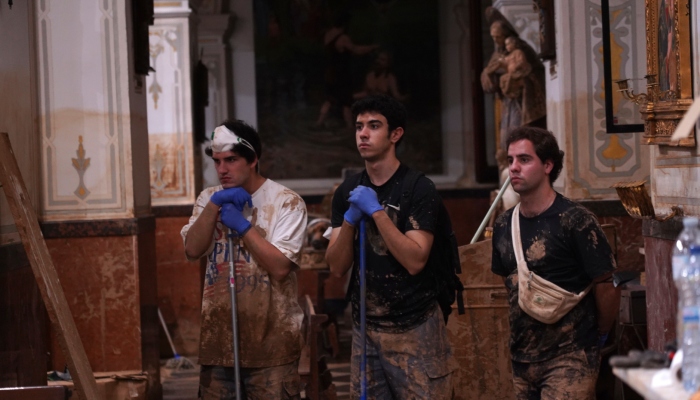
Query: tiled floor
{"type": "Point", "coordinates": [182, 384]}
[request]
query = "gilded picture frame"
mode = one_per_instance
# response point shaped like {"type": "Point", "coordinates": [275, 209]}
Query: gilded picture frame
{"type": "Point", "coordinates": [670, 82]}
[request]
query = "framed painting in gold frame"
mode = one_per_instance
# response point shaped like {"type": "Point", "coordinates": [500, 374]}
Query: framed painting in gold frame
{"type": "Point", "coordinates": [669, 73]}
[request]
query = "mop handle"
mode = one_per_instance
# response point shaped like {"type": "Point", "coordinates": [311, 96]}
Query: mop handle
{"type": "Point", "coordinates": [167, 334]}
{"type": "Point", "coordinates": [234, 314]}
{"type": "Point", "coordinates": [363, 312]}
{"type": "Point", "coordinates": [488, 214]}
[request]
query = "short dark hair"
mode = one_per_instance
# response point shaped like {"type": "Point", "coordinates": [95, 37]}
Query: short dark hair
{"type": "Point", "coordinates": [545, 145]}
{"type": "Point", "coordinates": [246, 132]}
{"type": "Point", "coordinates": [392, 109]}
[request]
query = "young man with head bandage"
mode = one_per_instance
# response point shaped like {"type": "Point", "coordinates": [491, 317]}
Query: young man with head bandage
{"type": "Point", "coordinates": [268, 225]}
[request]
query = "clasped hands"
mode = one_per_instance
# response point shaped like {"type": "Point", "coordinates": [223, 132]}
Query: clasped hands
{"type": "Point", "coordinates": [232, 201]}
{"type": "Point", "coordinates": [363, 202]}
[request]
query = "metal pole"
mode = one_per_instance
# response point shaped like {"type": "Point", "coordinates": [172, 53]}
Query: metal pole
{"type": "Point", "coordinates": [363, 312]}
{"type": "Point", "coordinates": [234, 314]}
{"type": "Point", "coordinates": [488, 214]}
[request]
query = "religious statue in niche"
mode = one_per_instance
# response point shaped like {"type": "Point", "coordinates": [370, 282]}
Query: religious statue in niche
{"type": "Point", "coordinates": [516, 75]}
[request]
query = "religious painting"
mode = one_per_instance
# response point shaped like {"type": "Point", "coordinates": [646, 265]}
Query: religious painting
{"type": "Point", "coordinates": [670, 87]}
{"type": "Point", "coordinates": [314, 58]}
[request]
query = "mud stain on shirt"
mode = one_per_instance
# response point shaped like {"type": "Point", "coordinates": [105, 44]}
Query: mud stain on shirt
{"type": "Point", "coordinates": [593, 237]}
{"type": "Point", "coordinates": [537, 250]}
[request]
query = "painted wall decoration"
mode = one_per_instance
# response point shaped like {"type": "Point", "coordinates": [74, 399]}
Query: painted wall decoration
{"type": "Point", "coordinates": [168, 95]}
{"type": "Point", "coordinates": [304, 85]}
{"type": "Point", "coordinates": [83, 105]}
{"type": "Point", "coordinates": [621, 115]}
{"type": "Point", "coordinates": [595, 159]}
{"type": "Point", "coordinates": [614, 153]}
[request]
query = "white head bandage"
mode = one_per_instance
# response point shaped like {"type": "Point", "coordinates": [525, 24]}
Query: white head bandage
{"type": "Point", "coordinates": [223, 139]}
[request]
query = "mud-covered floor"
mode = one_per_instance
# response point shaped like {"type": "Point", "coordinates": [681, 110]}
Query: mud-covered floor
{"type": "Point", "coordinates": [181, 384]}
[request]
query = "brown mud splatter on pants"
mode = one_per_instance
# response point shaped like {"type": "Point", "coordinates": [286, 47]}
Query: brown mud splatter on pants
{"type": "Point", "coordinates": [569, 376]}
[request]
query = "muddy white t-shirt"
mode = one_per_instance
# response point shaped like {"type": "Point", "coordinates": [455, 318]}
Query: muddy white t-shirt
{"type": "Point", "coordinates": [269, 315]}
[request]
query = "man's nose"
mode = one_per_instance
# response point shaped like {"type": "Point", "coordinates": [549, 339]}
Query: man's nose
{"type": "Point", "coordinates": [220, 168]}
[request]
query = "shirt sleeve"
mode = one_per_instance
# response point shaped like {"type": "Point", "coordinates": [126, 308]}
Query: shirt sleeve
{"type": "Point", "coordinates": [499, 243]}
{"type": "Point", "coordinates": [425, 206]}
{"type": "Point", "coordinates": [592, 246]}
{"type": "Point", "coordinates": [290, 228]}
{"type": "Point", "coordinates": [202, 201]}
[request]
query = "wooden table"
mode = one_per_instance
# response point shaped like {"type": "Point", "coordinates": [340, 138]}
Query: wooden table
{"type": "Point", "coordinates": [640, 379]}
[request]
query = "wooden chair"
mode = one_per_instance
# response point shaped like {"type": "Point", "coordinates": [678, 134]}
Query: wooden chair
{"type": "Point", "coordinates": [313, 370]}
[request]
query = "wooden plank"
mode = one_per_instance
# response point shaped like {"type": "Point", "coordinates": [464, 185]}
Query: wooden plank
{"type": "Point", "coordinates": [44, 272]}
{"type": "Point", "coordinates": [34, 393]}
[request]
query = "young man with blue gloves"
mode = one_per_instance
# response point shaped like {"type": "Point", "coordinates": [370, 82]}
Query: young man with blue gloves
{"type": "Point", "coordinates": [268, 224]}
{"type": "Point", "coordinates": [408, 352]}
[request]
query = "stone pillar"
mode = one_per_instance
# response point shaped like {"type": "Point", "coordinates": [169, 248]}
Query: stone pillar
{"type": "Point", "coordinates": [95, 205]}
{"type": "Point", "coordinates": [174, 169]}
{"type": "Point", "coordinates": [169, 100]}
{"type": "Point", "coordinates": [213, 32]}
{"type": "Point", "coordinates": [23, 321]}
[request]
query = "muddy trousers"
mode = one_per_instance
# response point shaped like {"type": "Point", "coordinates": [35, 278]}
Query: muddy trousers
{"type": "Point", "coordinates": [569, 376]}
{"type": "Point", "coordinates": [279, 382]}
{"type": "Point", "coordinates": [416, 364]}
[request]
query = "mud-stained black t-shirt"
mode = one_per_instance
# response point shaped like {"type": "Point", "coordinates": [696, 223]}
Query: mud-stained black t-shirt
{"type": "Point", "coordinates": [566, 246]}
{"type": "Point", "coordinates": [396, 300]}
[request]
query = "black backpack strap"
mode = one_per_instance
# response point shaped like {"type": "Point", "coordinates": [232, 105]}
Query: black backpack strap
{"type": "Point", "coordinates": [355, 181]}
{"type": "Point", "coordinates": [407, 187]}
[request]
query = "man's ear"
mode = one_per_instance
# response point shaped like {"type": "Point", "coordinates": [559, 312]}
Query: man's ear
{"type": "Point", "coordinates": [548, 166]}
{"type": "Point", "coordinates": [396, 134]}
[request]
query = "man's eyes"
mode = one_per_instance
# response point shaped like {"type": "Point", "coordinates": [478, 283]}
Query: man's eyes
{"type": "Point", "coordinates": [522, 160]}
{"type": "Point", "coordinates": [227, 160]}
{"type": "Point", "coordinates": [371, 126]}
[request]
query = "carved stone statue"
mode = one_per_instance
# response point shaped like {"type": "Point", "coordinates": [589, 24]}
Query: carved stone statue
{"type": "Point", "coordinates": [516, 75]}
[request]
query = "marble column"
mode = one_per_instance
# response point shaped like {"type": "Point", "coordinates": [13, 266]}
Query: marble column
{"type": "Point", "coordinates": [95, 202]}
{"type": "Point", "coordinates": [213, 32]}
{"type": "Point", "coordinates": [175, 167]}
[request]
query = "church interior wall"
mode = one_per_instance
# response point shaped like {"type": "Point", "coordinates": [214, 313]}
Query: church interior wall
{"type": "Point", "coordinates": [109, 269]}
{"type": "Point", "coordinates": [594, 160]}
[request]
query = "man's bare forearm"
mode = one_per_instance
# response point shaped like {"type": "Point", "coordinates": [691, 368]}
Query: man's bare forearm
{"type": "Point", "coordinates": [341, 252]}
{"type": "Point", "coordinates": [267, 256]}
{"type": "Point", "coordinates": [200, 235]}
{"type": "Point", "coordinates": [411, 254]}
{"type": "Point", "coordinates": [607, 299]}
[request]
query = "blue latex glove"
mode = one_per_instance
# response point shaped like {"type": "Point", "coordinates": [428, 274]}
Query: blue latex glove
{"type": "Point", "coordinates": [365, 199]}
{"type": "Point", "coordinates": [234, 219]}
{"type": "Point", "coordinates": [353, 215]}
{"type": "Point", "coordinates": [235, 195]}
{"type": "Point", "coordinates": [602, 338]}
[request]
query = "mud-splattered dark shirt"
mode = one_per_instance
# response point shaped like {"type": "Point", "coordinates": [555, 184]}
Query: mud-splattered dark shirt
{"type": "Point", "coordinates": [566, 246]}
{"type": "Point", "coordinates": [396, 300]}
